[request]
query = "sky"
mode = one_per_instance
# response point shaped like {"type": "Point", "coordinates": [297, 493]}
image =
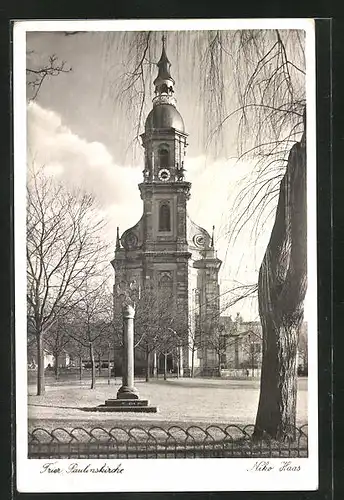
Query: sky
{"type": "Point", "coordinates": [83, 132]}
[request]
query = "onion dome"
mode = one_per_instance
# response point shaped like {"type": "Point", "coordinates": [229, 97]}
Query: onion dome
{"type": "Point", "coordinates": [164, 116]}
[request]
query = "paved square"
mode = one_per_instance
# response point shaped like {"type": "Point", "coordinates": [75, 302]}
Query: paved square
{"type": "Point", "coordinates": [202, 401]}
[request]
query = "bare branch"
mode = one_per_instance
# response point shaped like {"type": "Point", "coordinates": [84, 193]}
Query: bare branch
{"type": "Point", "coordinates": [37, 76]}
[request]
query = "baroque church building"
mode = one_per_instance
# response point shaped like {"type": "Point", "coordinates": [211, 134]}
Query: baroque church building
{"type": "Point", "coordinates": [166, 254]}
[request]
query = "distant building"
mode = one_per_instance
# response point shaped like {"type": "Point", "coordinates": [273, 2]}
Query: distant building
{"type": "Point", "coordinates": [242, 344]}
{"type": "Point", "coordinates": [49, 359]}
{"type": "Point", "coordinates": [242, 347]}
{"type": "Point", "coordinates": [302, 351]}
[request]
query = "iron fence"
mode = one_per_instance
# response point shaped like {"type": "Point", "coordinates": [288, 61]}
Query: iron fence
{"type": "Point", "coordinates": [213, 441]}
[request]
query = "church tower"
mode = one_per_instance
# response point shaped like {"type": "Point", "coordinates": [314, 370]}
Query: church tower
{"type": "Point", "coordinates": [165, 254]}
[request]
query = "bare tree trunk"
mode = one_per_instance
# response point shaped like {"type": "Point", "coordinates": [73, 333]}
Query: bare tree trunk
{"type": "Point", "coordinates": [192, 362]}
{"type": "Point", "coordinates": [281, 291]}
{"type": "Point", "coordinates": [56, 366]}
{"type": "Point", "coordinates": [80, 367]}
{"type": "Point", "coordinates": [109, 367]}
{"type": "Point", "coordinates": [252, 359]}
{"type": "Point", "coordinates": [219, 364]}
{"type": "Point", "coordinates": [93, 367]}
{"type": "Point", "coordinates": [155, 364]}
{"type": "Point", "coordinates": [147, 365]}
{"type": "Point", "coordinates": [99, 365]}
{"type": "Point", "coordinates": [40, 364]}
{"type": "Point", "coordinates": [236, 354]}
{"type": "Point", "coordinates": [181, 361]}
{"type": "Point", "coordinates": [114, 359]}
{"type": "Point", "coordinates": [165, 366]}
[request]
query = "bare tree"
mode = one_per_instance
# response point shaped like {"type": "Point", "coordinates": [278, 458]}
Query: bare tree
{"type": "Point", "coordinates": [77, 350]}
{"type": "Point", "coordinates": [172, 339]}
{"type": "Point", "coordinates": [272, 131]}
{"type": "Point", "coordinates": [56, 341]}
{"type": "Point", "coordinates": [194, 343]}
{"type": "Point", "coordinates": [282, 288]}
{"type": "Point", "coordinates": [92, 330]}
{"type": "Point", "coordinates": [146, 328]}
{"type": "Point", "coordinates": [251, 344]}
{"type": "Point", "coordinates": [154, 319]}
{"type": "Point", "coordinates": [217, 343]}
{"type": "Point", "coordinates": [115, 321]}
{"type": "Point", "coordinates": [36, 74]}
{"type": "Point", "coordinates": [103, 346]}
{"type": "Point", "coordinates": [216, 337]}
{"type": "Point", "coordinates": [64, 250]}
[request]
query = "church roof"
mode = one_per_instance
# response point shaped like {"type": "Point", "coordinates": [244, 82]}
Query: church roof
{"type": "Point", "coordinates": [198, 237]}
{"type": "Point", "coordinates": [164, 116]}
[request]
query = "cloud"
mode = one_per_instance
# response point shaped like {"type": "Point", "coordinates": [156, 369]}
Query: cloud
{"type": "Point", "coordinates": [87, 165]}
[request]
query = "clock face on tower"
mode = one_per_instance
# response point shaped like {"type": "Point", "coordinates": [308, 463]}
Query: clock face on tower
{"type": "Point", "coordinates": [164, 174]}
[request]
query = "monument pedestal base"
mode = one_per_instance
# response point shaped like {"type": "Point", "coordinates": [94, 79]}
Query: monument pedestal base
{"type": "Point", "coordinates": [126, 392]}
{"type": "Point", "coordinates": [125, 405]}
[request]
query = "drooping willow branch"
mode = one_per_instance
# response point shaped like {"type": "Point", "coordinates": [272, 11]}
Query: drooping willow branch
{"type": "Point", "coordinates": [248, 81]}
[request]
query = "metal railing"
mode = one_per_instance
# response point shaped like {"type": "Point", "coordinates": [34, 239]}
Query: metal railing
{"type": "Point", "coordinates": [213, 441]}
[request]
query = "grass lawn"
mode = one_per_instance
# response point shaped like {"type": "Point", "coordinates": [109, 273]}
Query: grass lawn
{"type": "Point", "coordinates": [187, 401]}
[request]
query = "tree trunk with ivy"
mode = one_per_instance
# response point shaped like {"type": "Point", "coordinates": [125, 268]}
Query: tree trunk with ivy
{"type": "Point", "coordinates": [281, 292]}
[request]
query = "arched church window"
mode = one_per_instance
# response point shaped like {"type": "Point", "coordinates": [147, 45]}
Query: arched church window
{"type": "Point", "coordinates": [165, 279]}
{"type": "Point", "coordinates": [164, 217]}
{"type": "Point", "coordinates": [163, 157]}
{"type": "Point", "coordinates": [165, 288]}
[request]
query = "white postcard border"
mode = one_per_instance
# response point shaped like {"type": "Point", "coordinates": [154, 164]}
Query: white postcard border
{"type": "Point", "coordinates": [158, 474]}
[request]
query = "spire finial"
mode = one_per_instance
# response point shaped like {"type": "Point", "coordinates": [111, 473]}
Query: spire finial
{"type": "Point", "coordinates": [212, 237]}
{"type": "Point", "coordinates": [164, 81]}
{"type": "Point", "coordinates": [118, 244]}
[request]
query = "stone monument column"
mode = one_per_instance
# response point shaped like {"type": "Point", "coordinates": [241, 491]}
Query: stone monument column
{"type": "Point", "coordinates": [128, 391]}
{"type": "Point", "coordinates": [127, 395]}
